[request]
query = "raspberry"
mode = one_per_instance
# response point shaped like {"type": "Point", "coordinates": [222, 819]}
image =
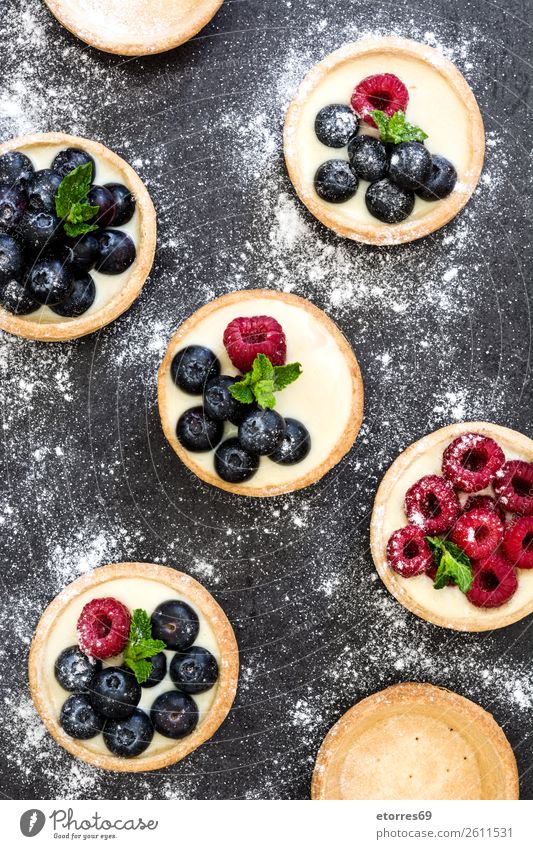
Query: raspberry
{"type": "Point", "coordinates": [514, 487]}
{"type": "Point", "coordinates": [518, 542]}
{"type": "Point", "coordinates": [380, 91]}
{"type": "Point", "coordinates": [471, 461]}
{"type": "Point", "coordinates": [408, 552]}
{"type": "Point", "coordinates": [103, 628]}
{"type": "Point", "coordinates": [494, 582]}
{"type": "Point", "coordinates": [478, 532]}
{"type": "Point", "coordinates": [244, 338]}
{"type": "Point", "coordinates": [432, 505]}
{"type": "Point", "coordinates": [485, 501]}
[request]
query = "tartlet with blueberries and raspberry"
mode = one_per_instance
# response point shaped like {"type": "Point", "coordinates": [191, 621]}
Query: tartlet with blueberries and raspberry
{"type": "Point", "coordinates": [260, 393]}
{"type": "Point", "coordinates": [133, 666]}
{"type": "Point", "coordinates": [77, 236]}
{"type": "Point", "coordinates": [452, 527]}
{"type": "Point", "coordinates": [384, 141]}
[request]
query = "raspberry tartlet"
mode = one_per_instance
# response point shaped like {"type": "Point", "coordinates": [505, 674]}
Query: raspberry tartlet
{"type": "Point", "coordinates": [452, 527]}
{"type": "Point", "coordinates": [77, 236]}
{"type": "Point", "coordinates": [415, 741]}
{"type": "Point", "coordinates": [260, 393]}
{"type": "Point", "coordinates": [384, 141]}
{"type": "Point", "coordinates": [133, 666]}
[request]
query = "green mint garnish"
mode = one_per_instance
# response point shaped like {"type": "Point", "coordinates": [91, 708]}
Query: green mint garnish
{"type": "Point", "coordinates": [71, 201]}
{"type": "Point", "coordinates": [396, 129]}
{"type": "Point", "coordinates": [263, 380]}
{"type": "Point", "coordinates": [140, 646]}
{"type": "Point", "coordinates": [452, 564]}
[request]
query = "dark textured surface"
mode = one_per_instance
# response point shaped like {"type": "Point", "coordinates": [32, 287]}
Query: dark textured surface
{"type": "Point", "coordinates": [441, 330]}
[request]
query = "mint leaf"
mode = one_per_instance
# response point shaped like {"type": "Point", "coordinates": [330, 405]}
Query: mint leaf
{"type": "Point", "coordinates": [264, 394]}
{"type": "Point", "coordinates": [396, 129]}
{"type": "Point", "coordinates": [140, 646]}
{"type": "Point", "coordinates": [263, 380]}
{"type": "Point", "coordinates": [284, 375]}
{"type": "Point", "coordinates": [70, 200]}
{"type": "Point", "coordinates": [381, 122]}
{"type": "Point", "coordinates": [141, 668]}
{"type": "Point", "coordinates": [80, 212]}
{"type": "Point", "coordinates": [452, 564]}
{"type": "Point", "coordinates": [242, 393]}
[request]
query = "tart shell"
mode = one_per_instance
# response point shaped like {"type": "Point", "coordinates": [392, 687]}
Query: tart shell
{"type": "Point", "coordinates": [51, 331]}
{"type": "Point", "coordinates": [228, 667]}
{"type": "Point", "coordinates": [355, 418]}
{"type": "Point", "coordinates": [398, 586]}
{"type": "Point", "coordinates": [495, 759]}
{"type": "Point", "coordinates": [444, 210]}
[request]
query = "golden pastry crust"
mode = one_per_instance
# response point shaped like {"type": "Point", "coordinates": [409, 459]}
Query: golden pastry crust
{"type": "Point", "coordinates": [186, 587]}
{"type": "Point", "coordinates": [491, 774]}
{"type": "Point", "coordinates": [442, 211]}
{"type": "Point", "coordinates": [355, 418]}
{"type": "Point", "coordinates": [95, 29]}
{"type": "Point", "coordinates": [60, 331]}
{"type": "Point", "coordinates": [478, 619]}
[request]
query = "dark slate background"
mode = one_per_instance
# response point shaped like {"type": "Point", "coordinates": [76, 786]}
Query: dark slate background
{"type": "Point", "coordinates": [316, 630]}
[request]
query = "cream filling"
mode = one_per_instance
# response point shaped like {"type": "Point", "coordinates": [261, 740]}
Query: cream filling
{"type": "Point", "coordinates": [107, 286]}
{"type": "Point", "coordinates": [133, 592]}
{"type": "Point", "coordinates": [321, 398]}
{"type": "Point", "coordinates": [433, 105]}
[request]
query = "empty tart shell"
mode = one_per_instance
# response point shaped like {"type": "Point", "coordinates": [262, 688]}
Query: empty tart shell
{"type": "Point", "coordinates": [415, 741]}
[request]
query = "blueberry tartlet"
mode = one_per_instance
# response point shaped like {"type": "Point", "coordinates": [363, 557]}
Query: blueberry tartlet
{"type": "Point", "coordinates": [260, 393]}
{"type": "Point", "coordinates": [133, 666]}
{"type": "Point", "coordinates": [77, 236]}
{"type": "Point", "coordinates": [384, 141]}
{"type": "Point", "coordinates": [452, 527]}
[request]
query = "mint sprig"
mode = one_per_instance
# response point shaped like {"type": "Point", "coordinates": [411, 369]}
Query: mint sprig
{"type": "Point", "coordinates": [263, 381]}
{"type": "Point", "coordinates": [71, 201]}
{"type": "Point", "coordinates": [452, 564]}
{"type": "Point", "coordinates": [140, 646]}
{"type": "Point", "coordinates": [396, 129]}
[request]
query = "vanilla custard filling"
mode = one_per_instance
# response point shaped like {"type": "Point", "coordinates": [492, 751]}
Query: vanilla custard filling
{"type": "Point", "coordinates": [107, 286]}
{"type": "Point", "coordinates": [433, 106]}
{"type": "Point", "coordinates": [133, 592]}
{"type": "Point", "coordinates": [321, 398]}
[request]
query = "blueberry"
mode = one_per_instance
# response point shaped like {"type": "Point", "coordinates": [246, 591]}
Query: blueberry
{"type": "Point", "coordinates": [129, 737]}
{"type": "Point", "coordinates": [50, 281]}
{"type": "Point", "coordinates": [42, 189]}
{"type": "Point", "coordinates": [410, 165]}
{"type": "Point", "coordinates": [441, 180]}
{"type": "Point", "coordinates": [79, 299]}
{"type": "Point", "coordinates": [69, 159]}
{"type": "Point", "coordinates": [79, 718]}
{"type": "Point", "coordinates": [233, 464]}
{"type": "Point", "coordinates": [11, 259]}
{"type": "Point", "coordinates": [335, 182]}
{"type": "Point", "coordinates": [116, 252]}
{"type": "Point", "coordinates": [368, 158]}
{"type": "Point", "coordinates": [16, 299]}
{"type": "Point", "coordinates": [115, 692]}
{"type": "Point", "coordinates": [102, 198]}
{"type": "Point", "coordinates": [159, 670]}
{"type": "Point", "coordinates": [174, 714]}
{"type": "Point", "coordinates": [261, 431]}
{"type": "Point", "coordinates": [82, 252]}
{"type": "Point", "coordinates": [74, 671]}
{"type": "Point", "coordinates": [336, 124]}
{"type": "Point", "coordinates": [295, 445]}
{"type": "Point", "coordinates": [15, 169]}
{"type": "Point", "coordinates": [40, 229]}
{"type": "Point", "coordinates": [176, 623]}
{"type": "Point", "coordinates": [192, 367]}
{"type": "Point", "coordinates": [220, 404]}
{"type": "Point", "coordinates": [197, 431]}
{"type": "Point", "coordinates": [194, 671]}
{"type": "Point", "coordinates": [124, 203]}
{"type": "Point", "coordinates": [12, 207]}
{"type": "Point", "coordinates": [389, 202]}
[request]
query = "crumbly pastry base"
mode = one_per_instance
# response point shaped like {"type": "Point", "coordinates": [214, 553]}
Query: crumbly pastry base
{"type": "Point", "coordinates": [444, 210]}
{"type": "Point", "coordinates": [228, 666]}
{"type": "Point", "coordinates": [344, 444]}
{"type": "Point", "coordinates": [398, 586]}
{"type": "Point", "coordinates": [94, 29]}
{"type": "Point", "coordinates": [48, 331]}
{"type": "Point", "coordinates": [496, 772]}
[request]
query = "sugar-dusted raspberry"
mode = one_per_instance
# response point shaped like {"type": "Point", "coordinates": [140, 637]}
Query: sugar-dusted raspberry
{"type": "Point", "coordinates": [432, 505]}
{"type": "Point", "coordinates": [380, 91]}
{"type": "Point", "coordinates": [485, 501]}
{"type": "Point", "coordinates": [103, 628]}
{"type": "Point", "coordinates": [471, 461]}
{"type": "Point", "coordinates": [514, 487]}
{"type": "Point", "coordinates": [408, 552]}
{"type": "Point", "coordinates": [245, 338]}
{"type": "Point", "coordinates": [478, 532]}
{"type": "Point", "coordinates": [495, 582]}
{"type": "Point", "coordinates": [518, 542]}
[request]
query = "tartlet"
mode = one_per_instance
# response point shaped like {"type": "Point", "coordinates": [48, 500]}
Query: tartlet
{"type": "Point", "coordinates": [444, 101]}
{"type": "Point", "coordinates": [415, 741]}
{"type": "Point", "coordinates": [143, 583]}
